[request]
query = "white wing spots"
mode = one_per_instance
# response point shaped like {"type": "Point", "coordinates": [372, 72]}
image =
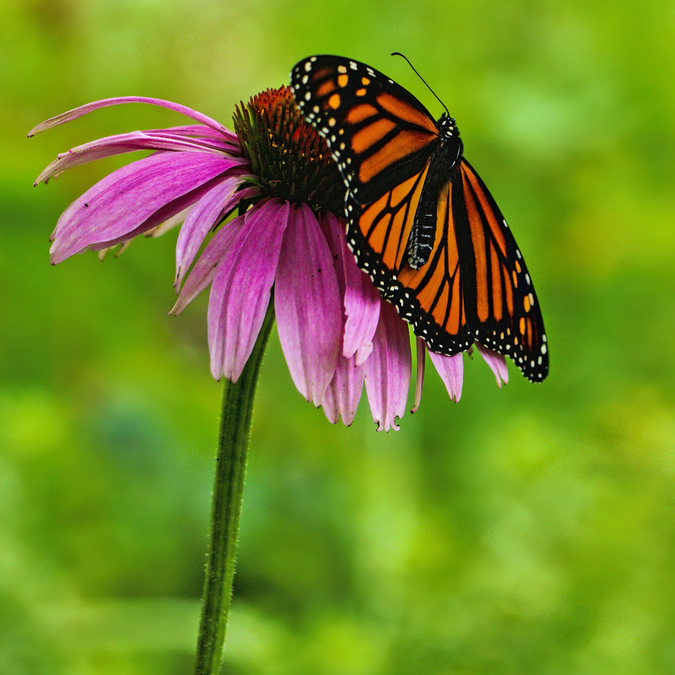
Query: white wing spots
{"type": "Point", "coordinates": [353, 65]}
{"type": "Point", "coordinates": [505, 223]}
{"type": "Point", "coordinates": [543, 349]}
{"type": "Point", "coordinates": [308, 95]}
{"type": "Point", "coordinates": [370, 71]}
{"type": "Point", "coordinates": [391, 81]}
{"type": "Point", "coordinates": [305, 79]}
{"type": "Point", "coordinates": [342, 69]}
{"type": "Point", "coordinates": [529, 282]}
{"type": "Point", "coordinates": [316, 109]}
{"type": "Point", "coordinates": [531, 297]}
{"type": "Point", "coordinates": [308, 65]}
{"type": "Point", "coordinates": [520, 257]}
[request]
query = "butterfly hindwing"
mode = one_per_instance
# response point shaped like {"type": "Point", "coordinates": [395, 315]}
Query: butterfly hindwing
{"type": "Point", "coordinates": [430, 298]}
{"type": "Point", "coordinates": [498, 288]}
{"type": "Point", "coordinates": [421, 222]}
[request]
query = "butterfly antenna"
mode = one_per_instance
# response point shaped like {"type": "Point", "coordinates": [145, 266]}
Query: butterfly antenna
{"type": "Point", "coordinates": [423, 80]}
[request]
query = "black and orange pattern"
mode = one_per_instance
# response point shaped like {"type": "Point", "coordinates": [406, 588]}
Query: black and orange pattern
{"type": "Point", "coordinates": [421, 222]}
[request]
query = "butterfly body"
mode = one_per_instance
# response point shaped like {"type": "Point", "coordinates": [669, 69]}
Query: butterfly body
{"type": "Point", "coordinates": [446, 152]}
{"type": "Point", "coordinates": [421, 222]}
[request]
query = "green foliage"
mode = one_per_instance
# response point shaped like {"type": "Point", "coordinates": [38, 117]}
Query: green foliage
{"type": "Point", "coordinates": [522, 531]}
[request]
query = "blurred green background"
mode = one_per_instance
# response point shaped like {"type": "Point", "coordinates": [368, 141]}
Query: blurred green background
{"type": "Point", "coordinates": [523, 530]}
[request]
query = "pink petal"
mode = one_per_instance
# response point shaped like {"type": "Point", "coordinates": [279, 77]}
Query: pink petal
{"type": "Point", "coordinates": [161, 229]}
{"type": "Point", "coordinates": [362, 306]}
{"type": "Point", "coordinates": [497, 363]}
{"type": "Point", "coordinates": [117, 205]}
{"type": "Point", "coordinates": [421, 349]}
{"type": "Point", "coordinates": [333, 230]}
{"type": "Point", "coordinates": [200, 131]}
{"type": "Point", "coordinates": [344, 391]}
{"type": "Point", "coordinates": [388, 369]}
{"type": "Point", "coordinates": [104, 103]}
{"type": "Point", "coordinates": [209, 137]}
{"type": "Point", "coordinates": [123, 143]}
{"type": "Point", "coordinates": [205, 214]}
{"type": "Point", "coordinates": [241, 289]}
{"type": "Point", "coordinates": [361, 298]}
{"type": "Point", "coordinates": [178, 206]}
{"type": "Point", "coordinates": [205, 268]}
{"type": "Point", "coordinates": [451, 370]}
{"type": "Point", "coordinates": [308, 305]}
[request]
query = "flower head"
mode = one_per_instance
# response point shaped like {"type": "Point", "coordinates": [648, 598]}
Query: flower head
{"type": "Point", "coordinates": [269, 199]}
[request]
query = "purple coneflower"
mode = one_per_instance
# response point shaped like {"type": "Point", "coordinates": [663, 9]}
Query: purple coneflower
{"type": "Point", "coordinates": [276, 177]}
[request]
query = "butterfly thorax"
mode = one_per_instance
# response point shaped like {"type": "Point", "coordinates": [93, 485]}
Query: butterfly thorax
{"type": "Point", "coordinates": [448, 134]}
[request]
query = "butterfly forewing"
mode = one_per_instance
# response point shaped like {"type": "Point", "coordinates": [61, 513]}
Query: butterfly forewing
{"type": "Point", "coordinates": [378, 133]}
{"type": "Point", "coordinates": [470, 283]}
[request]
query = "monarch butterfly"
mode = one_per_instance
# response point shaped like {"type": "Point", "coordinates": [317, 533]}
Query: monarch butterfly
{"type": "Point", "coordinates": [421, 222]}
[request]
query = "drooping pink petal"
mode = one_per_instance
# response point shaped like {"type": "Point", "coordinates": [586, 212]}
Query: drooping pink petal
{"type": "Point", "coordinates": [362, 306]}
{"type": "Point", "coordinates": [333, 230]}
{"type": "Point", "coordinates": [123, 143]}
{"type": "Point", "coordinates": [198, 224]}
{"type": "Point", "coordinates": [388, 369]}
{"type": "Point", "coordinates": [451, 370]}
{"type": "Point", "coordinates": [241, 288]}
{"type": "Point", "coordinates": [421, 349]}
{"type": "Point", "coordinates": [161, 229]}
{"type": "Point", "coordinates": [117, 205]}
{"type": "Point", "coordinates": [199, 131]}
{"type": "Point", "coordinates": [308, 305]}
{"type": "Point", "coordinates": [361, 299]}
{"type": "Point", "coordinates": [496, 362]}
{"type": "Point", "coordinates": [179, 205]}
{"type": "Point", "coordinates": [104, 103]}
{"type": "Point", "coordinates": [210, 138]}
{"type": "Point", "coordinates": [344, 391]}
{"type": "Point", "coordinates": [205, 268]}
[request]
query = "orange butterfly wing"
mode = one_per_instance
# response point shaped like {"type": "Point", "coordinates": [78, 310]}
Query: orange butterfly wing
{"type": "Point", "coordinates": [498, 290]}
{"type": "Point", "coordinates": [471, 283]}
{"type": "Point", "coordinates": [377, 132]}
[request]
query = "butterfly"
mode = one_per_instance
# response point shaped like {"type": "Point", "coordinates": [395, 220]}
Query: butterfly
{"type": "Point", "coordinates": [420, 221]}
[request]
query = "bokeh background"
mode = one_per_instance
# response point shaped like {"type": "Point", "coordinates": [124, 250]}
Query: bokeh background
{"type": "Point", "coordinates": [528, 530]}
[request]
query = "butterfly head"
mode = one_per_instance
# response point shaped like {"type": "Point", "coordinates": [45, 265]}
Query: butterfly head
{"type": "Point", "coordinates": [450, 140]}
{"type": "Point", "coordinates": [447, 127]}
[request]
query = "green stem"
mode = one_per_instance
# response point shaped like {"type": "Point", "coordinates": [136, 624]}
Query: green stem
{"type": "Point", "coordinates": [235, 425]}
